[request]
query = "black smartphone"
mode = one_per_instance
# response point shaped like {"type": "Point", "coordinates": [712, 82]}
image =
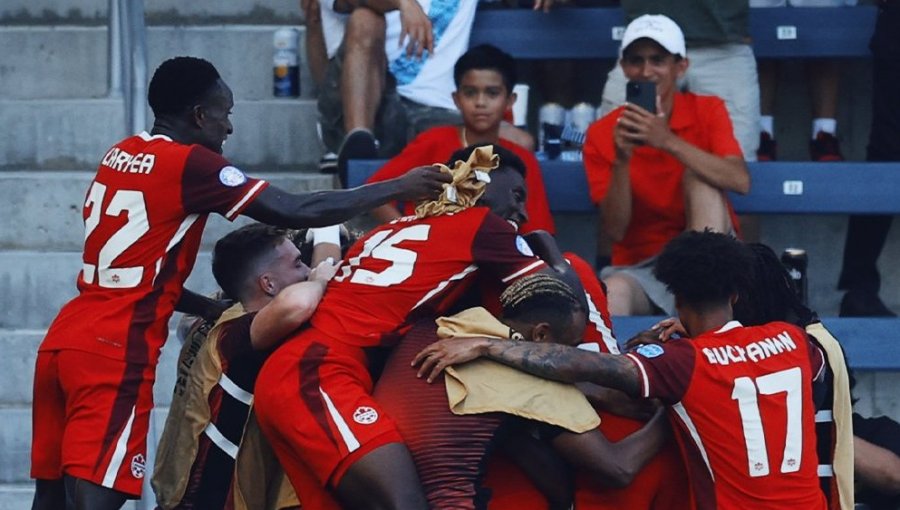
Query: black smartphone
{"type": "Point", "coordinates": [641, 93]}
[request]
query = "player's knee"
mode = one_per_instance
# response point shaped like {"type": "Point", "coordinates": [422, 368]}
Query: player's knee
{"type": "Point", "coordinates": [365, 30]}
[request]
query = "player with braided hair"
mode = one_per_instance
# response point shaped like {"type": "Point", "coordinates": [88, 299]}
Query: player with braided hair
{"type": "Point", "coordinates": [731, 388]}
{"type": "Point", "coordinates": [540, 298]}
{"type": "Point", "coordinates": [449, 449]}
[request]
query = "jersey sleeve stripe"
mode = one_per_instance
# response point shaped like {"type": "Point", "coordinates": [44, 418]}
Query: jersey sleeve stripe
{"type": "Point", "coordinates": [596, 318]}
{"type": "Point", "coordinates": [645, 381]}
{"type": "Point", "coordinates": [525, 270]}
{"type": "Point", "coordinates": [350, 440]}
{"type": "Point", "coordinates": [115, 463]}
{"type": "Point", "coordinates": [685, 418]}
{"type": "Point", "coordinates": [238, 207]}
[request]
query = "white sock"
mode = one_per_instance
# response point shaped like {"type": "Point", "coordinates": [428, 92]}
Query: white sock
{"type": "Point", "coordinates": [825, 125]}
{"type": "Point", "coordinates": [767, 124]}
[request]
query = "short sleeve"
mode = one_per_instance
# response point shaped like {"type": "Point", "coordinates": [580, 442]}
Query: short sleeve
{"type": "Point", "coordinates": [499, 249]}
{"type": "Point", "coordinates": [665, 370]}
{"type": "Point", "coordinates": [598, 155]}
{"type": "Point", "coordinates": [211, 184]}
{"type": "Point", "coordinates": [599, 327]}
{"type": "Point", "coordinates": [720, 129]}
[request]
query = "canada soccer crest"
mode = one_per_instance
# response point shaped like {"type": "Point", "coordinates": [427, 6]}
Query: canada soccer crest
{"type": "Point", "coordinates": [365, 415]}
{"type": "Point", "coordinates": [138, 466]}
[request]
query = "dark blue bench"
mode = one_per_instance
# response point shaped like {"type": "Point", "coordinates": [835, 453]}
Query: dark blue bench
{"type": "Point", "coordinates": [868, 343]}
{"type": "Point", "coordinates": [777, 187]}
{"type": "Point", "coordinates": [778, 32]}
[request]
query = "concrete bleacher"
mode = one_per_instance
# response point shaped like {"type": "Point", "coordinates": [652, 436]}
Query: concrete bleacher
{"type": "Point", "coordinates": [59, 119]}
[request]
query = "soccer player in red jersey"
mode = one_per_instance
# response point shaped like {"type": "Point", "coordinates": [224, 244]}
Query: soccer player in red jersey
{"type": "Point", "coordinates": [741, 396]}
{"type": "Point", "coordinates": [450, 450]}
{"type": "Point", "coordinates": [144, 214]}
{"type": "Point", "coordinates": [662, 482]}
{"type": "Point", "coordinates": [484, 78]}
{"type": "Point", "coordinates": [313, 396]}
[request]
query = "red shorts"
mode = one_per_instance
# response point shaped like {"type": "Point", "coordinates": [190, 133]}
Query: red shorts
{"type": "Point", "coordinates": [90, 419]}
{"type": "Point", "coordinates": [313, 402]}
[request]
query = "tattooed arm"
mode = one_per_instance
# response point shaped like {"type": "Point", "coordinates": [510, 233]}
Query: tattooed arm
{"type": "Point", "coordinates": [550, 361]}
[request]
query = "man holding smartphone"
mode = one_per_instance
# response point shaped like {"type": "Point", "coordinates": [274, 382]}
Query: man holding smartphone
{"type": "Point", "coordinates": [656, 172]}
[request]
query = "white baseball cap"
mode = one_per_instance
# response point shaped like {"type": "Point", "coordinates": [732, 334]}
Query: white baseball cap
{"type": "Point", "coordinates": [657, 27]}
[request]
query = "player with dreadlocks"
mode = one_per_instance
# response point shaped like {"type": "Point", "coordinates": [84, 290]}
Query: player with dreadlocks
{"type": "Point", "coordinates": [449, 449]}
{"type": "Point", "coordinates": [727, 385]}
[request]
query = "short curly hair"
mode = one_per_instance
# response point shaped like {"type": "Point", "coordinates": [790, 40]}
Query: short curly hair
{"type": "Point", "coordinates": [704, 269]}
{"type": "Point", "coordinates": [180, 83]}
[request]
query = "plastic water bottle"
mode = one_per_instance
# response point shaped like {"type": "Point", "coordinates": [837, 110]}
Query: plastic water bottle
{"type": "Point", "coordinates": [285, 61]}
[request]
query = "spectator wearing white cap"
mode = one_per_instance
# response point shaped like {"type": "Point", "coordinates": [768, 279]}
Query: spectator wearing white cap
{"type": "Point", "coordinates": [656, 174]}
{"type": "Point", "coordinates": [717, 35]}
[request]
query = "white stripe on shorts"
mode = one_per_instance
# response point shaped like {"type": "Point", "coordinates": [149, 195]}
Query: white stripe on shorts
{"type": "Point", "coordinates": [350, 440]}
{"type": "Point", "coordinates": [118, 454]}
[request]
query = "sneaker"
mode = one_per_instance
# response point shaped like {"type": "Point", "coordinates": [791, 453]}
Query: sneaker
{"type": "Point", "coordinates": [328, 163]}
{"type": "Point", "coordinates": [768, 148]}
{"type": "Point", "coordinates": [825, 147]}
{"type": "Point", "coordinates": [864, 304]}
{"type": "Point", "coordinates": [358, 144]}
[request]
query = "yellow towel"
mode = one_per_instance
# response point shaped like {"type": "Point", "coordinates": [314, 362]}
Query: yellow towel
{"type": "Point", "coordinates": [841, 414]}
{"type": "Point", "coordinates": [483, 386]}
{"type": "Point", "coordinates": [469, 179]}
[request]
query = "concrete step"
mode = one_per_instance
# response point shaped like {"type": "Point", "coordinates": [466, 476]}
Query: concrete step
{"type": "Point", "coordinates": [75, 133]}
{"type": "Point", "coordinates": [20, 351]}
{"type": "Point", "coordinates": [64, 62]}
{"type": "Point", "coordinates": [59, 133]}
{"type": "Point", "coordinates": [16, 496]}
{"type": "Point", "coordinates": [41, 210]}
{"type": "Point", "coordinates": [198, 11]}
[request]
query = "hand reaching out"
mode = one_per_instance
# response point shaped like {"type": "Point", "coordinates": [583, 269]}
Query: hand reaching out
{"type": "Point", "coordinates": [424, 182]}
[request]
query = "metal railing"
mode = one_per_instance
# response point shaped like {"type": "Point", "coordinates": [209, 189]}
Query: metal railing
{"type": "Point", "coordinates": [127, 36]}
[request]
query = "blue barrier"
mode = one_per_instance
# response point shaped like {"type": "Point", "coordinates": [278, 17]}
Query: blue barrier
{"type": "Point", "coordinates": [867, 342]}
{"type": "Point", "coordinates": [776, 187]}
{"type": "Point", "coordinates": [777, 32]}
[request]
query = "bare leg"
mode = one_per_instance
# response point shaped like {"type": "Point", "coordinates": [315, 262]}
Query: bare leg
{"type": "Point", "coordinates": [384, 479]}
{"type": "Point", "coordinates": [824, 80]}
{"type": "Point", "coordinates": [626, 297]}
{"type": "Point", "coordinates": [363, 77]}
{"type": "Point", "coordinates": [704, 206]}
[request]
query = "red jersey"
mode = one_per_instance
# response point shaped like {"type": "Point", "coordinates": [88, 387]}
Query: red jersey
{"type": "Point", "coordinates": [742, 397]}
{"type": "Point", "coordinates": [437, 144]}
{"type": "Point", "coordinates": [417, 267]}
{"type": "Point", "coordinates": [144, 214]}
{"type": "Point", "coordinates": [657, 211]}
